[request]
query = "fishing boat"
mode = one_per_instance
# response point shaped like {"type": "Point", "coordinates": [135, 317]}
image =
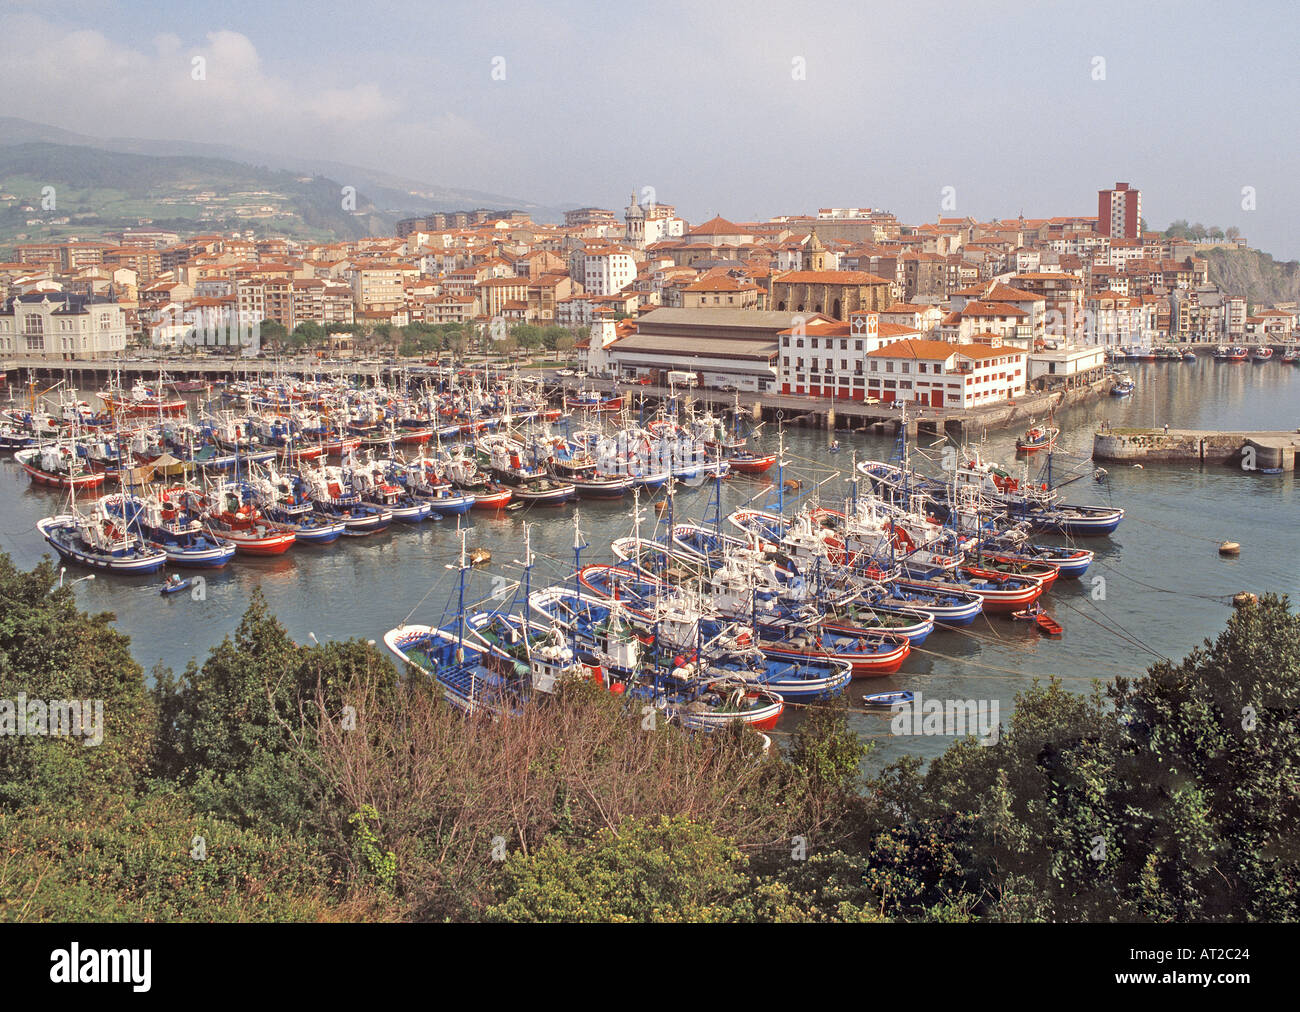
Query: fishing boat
{"type": "Point", "coordinates": [1291, 356]}
{"type": "Point", "coordinates": [1262, 354]}
{"type": "Point", "coordinates": [170, 520]}
{"type": "Point", "coordinates": [374, 482]}
{"type": "Point", "coordinates": [681, 632]}
{"type": "Point", "coordinates": [592, 401]}
{"type": "Point", "coordinates": [141, 400]}
{"type": "Point", "coordinates": [1189, 356]}
{"type": "Point", "coordinates": [1037, 438]}
{"type": "Point", "coordinates": [582, 472]}
{"type": "Point", "coordinates": [529, 484]}
{"type": "Point", "coordinates": [1013, 545]}
{"type": "Point", "coordinates": [13, 438]}
{"type": "Point", "coordinates": [334, 497]}
{"type": "Point", "coordinates": [681, 619]}
{"type": "Point", "coordinates": [175, 585]}
{"type": "Point", "coordinates": [231, 513]}
{"type": "Point", "coordinates": [98, 541]}
{"type": "Point", "coordinates": [286, 500]}
{"type": "Point", "coordinates": [682, 687]}
{"type": "Point", "coordinates": [1075, 521]}
{"type": "Point", "coordinates": [423, 479]}
{"type": "Point", "coordinates": [58, 465]}
{"type": "Point", "coordinates": [749, 462]}
{"type": "Point", "coordinates": [998, 593]}
{"type": "Point", "coordinates": [465, 474]}
{"type": "Point", "coordinates": [1123, 385]}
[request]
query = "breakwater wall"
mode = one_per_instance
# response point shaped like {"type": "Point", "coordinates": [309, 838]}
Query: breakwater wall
{"type": "Point", "coordinates": [1248, 450]}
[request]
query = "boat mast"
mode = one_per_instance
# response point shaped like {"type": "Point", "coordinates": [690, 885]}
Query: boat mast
{"type": "Point", "coordinates": [460, 601]}
{"type": "Point", "coordinates": [578, 546]}
{"type": "Point", "coordinates": [780, 470]}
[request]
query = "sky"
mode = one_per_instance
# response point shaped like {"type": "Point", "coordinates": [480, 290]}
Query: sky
{"type": "Point", "coordinates": [742, 109]}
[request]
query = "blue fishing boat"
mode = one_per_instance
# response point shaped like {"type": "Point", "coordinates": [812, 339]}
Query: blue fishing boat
{"type": "Point", "coordinates": [171, 520]}
{"type": "Point", "coordinates": [334, 498]}
{"type": "Point", "coordinates": [373, 481]}
{"type": "Point", "coordinates": [285, 499]}
{"type": "Point", "coordinates": [99, 541]}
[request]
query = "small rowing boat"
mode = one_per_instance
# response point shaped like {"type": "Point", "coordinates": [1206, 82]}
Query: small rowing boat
{"type": "Point", "coordinates": [888, 700]}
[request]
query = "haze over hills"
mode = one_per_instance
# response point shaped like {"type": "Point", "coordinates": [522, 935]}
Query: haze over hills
{"type": "Point", "coordinates": [50, 155]}
{"type": "Point", "coordinates": [110, 183]}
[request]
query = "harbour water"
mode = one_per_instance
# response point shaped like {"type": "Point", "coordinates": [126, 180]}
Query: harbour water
{"type": "Point", "coordinates": [1158, 586]}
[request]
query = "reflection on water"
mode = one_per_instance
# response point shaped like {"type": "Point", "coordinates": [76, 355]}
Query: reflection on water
{"type": "Point", "coordinates": [1164, 588]}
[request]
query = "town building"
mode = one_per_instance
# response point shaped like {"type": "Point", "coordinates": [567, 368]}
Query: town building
{"type": "Point", "coordinates": [62, 325]}
{"type": "Point", "coordinates": [737, 347]}
{"type": "Point", "coordinates": [1119, 212]}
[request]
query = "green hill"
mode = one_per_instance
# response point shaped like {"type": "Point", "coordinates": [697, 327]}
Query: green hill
{"type": "Point", "coordinates": [97, 190]}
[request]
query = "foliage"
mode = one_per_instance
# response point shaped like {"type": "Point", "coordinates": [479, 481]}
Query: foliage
{"type": "Point", "coordinates": [153, 860]}
{"type": "Point", "coordinates": [325, 784]}
{"type": "Point", "coordinates": [660, 870]}
{"type": "Point", "coordinates": [50, 650]}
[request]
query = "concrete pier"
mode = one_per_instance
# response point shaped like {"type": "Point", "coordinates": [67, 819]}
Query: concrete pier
{"type": "Point", "coordinates": [1248, 450]}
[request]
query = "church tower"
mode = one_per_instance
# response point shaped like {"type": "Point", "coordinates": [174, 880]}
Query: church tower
{"type": "Point", "coordinates": [634, 222]}
{"type": "Point", "coordinates": [816, 256]}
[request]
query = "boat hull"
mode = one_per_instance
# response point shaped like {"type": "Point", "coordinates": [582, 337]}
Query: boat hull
{"type": "Point", "coordinates": [60, 533]}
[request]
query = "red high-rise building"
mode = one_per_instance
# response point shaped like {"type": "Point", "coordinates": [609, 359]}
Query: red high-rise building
{"type": "Point", "coordinates": [1119, 212]}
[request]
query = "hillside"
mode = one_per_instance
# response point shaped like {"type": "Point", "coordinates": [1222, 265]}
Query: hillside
{"type": "Point", "coordinates": [1256, 275]}
{"type": "Point", "coordinates": [395, 195]}
{"type": "Point", "coordinates": [97, 190]}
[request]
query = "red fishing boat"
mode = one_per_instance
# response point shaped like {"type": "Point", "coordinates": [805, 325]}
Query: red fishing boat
{"type": "Point", "coordinates": [57, 466]}
{"type": "Point", "coordinates": [414, 437]}
{"type": "Point", "coordinates": [233, 516]}
{"type": "Point", "coordinates": [748, 462]}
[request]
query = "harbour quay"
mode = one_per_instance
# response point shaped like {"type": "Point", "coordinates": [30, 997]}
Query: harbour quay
{"type": "Point", "coordinates": [1258, 451]}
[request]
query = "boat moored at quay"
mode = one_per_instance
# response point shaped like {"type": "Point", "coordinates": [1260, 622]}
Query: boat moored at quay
{"type": "Point", "coordinates": [715, 617]}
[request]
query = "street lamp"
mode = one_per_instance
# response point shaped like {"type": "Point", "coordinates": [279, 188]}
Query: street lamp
{"type": "Point", "coordinates": [80, 579]}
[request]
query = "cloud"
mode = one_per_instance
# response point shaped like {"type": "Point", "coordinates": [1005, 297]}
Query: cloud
{"type": "Point", "coordinates": [214, 89]}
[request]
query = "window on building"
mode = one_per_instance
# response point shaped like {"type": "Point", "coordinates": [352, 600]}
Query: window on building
{"type": "Point", "coordinates": [34, 331]}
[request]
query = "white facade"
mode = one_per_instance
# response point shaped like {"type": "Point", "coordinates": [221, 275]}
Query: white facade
{"type": "Point", "coordinates": [606, 271]}
{"type": "Point", "coordinates": [1068, 360]}
{"type": "Point", "coordinates": [62, 325]}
